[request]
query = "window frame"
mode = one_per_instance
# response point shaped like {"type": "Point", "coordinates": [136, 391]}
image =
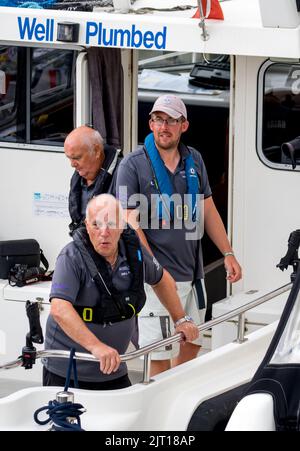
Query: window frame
{"type": "Point", "coordinates": [259, 115]}
{"type": "Point", "coordinates": [40, 146]}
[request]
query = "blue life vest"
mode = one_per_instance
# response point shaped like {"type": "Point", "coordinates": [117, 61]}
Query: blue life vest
{"type": "Point", "coordinates": [165, 206]}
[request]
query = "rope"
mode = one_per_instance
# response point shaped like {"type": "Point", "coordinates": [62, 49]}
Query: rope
{"type": "Point", "coordinates": [72, 364]}
{"type": "Point", "coordinates": [59, 413]}
{"type": "Point", "coordinates": [30, 5]}
{"type": "Point", "coordinates": [203, 17]}
{"type": "Point", "coordinates": [38, 4]}
{"type": "Point", "coordinates": [201, 9]}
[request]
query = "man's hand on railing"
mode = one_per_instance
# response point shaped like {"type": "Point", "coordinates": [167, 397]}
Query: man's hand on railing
{"type": "Point", "coordinates": [109, 358]}
{"type": "Point", "coordinates": [189, 330]}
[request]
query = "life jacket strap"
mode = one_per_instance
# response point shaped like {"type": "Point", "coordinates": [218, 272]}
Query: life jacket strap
{"type": "Point", "coordinates": [95, 315]}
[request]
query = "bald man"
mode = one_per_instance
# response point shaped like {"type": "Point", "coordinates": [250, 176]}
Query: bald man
{"type": "Point", "coordinates": [95, 165]}
{"type": "Point", "coordinates": [97, 292]}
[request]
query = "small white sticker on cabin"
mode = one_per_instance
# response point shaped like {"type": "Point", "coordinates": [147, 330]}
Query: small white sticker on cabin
{"type": "Point", "coordinates": [2, 342]}
{"type": "Point", "coordinates": [52, 205]}
{"type": "Point", "coordinates": [2, 82]}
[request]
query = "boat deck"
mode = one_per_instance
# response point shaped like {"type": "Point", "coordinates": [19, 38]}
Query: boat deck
{"type": "Point", "coordinates": [9, 386]}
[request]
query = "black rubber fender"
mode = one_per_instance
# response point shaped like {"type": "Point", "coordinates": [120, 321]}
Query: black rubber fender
{"type": "Point", "coordinates": [214, 413]}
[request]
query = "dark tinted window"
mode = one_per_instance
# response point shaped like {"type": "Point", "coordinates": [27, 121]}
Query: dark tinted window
{"type": "Point", "coordinates": [38, 104]}
{"type": "Point", "coordinates": [51, 95]}
{"type": "Point", "coordinates": [10, 128]}
{"type": "Point", "coordinates": [280, 112]}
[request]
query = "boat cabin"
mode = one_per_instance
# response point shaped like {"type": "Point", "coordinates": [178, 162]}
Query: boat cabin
{"type": "Point", "coordinates": [240, 80]}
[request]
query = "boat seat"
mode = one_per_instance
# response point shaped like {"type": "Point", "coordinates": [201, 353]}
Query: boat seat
{"type": "Point", "coordinates": [253, 413]}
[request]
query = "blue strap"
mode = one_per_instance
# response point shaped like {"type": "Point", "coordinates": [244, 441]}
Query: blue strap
{"type": "Point", "coordinates": [162, 176]}
{"type": "Point", "coordinates": [72, 364]}
{"type": "Point", "coordinates": [192, 184]}
{"type": "Point", "coordinates": [140, 255]}
{"type": "Point", "coordinates": [200, 294]}
{"type": "Point", "coordinates": [165, 208]}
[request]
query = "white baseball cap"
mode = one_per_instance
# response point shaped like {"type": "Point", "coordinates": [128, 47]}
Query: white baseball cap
{"type": "Point", "coordinates": [171, 105]}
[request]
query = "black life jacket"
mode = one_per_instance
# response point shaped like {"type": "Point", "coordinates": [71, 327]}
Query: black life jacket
{"type": "Point", "coordinates": [113, 305]}
{"type": "Point", "coordinates": [281, 380]}
{"type": "Point", "coordinates": [102, 185]}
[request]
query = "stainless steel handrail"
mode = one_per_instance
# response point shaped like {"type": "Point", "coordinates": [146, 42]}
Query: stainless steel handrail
{"type": "Point", "coordinates": [146, 350]}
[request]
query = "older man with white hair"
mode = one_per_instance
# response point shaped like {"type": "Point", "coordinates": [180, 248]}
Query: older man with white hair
{"type": "Point", "coordinates": [97, 291]}
{"type": "Point", "coordinates": [95, 165]}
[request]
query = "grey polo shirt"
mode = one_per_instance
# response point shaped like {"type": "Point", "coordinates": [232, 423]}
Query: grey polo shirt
{"type": "Point", "coordinates": [72, 282]}
{"type": "Point", "coordinates": [170, 245]}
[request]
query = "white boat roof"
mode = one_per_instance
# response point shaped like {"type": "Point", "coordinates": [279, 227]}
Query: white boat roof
{"type": "Point", "coordinates": [241, 33]}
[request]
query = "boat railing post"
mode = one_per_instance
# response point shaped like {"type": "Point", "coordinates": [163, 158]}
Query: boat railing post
{"type": "Point", "coordinates": [241, 329]}
{"type": "Point", "coordinates": [147, 368]}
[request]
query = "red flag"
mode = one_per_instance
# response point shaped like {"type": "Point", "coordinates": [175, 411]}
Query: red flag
{"type": "Point", "coordinates": [215, 12]}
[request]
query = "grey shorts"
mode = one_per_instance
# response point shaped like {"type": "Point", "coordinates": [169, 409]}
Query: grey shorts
{"type": "Point", "coordinates": [156, 324]}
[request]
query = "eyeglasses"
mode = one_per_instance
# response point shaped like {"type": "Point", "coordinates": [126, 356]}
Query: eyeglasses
{"type": "Point", "coordinates": [159, 121]}
{"type": "Point", "coordinates": [98, 225]}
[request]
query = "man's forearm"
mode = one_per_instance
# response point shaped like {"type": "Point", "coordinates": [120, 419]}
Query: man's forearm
{"type": "Point", "coordinates": [143, 240]}
{"type": "Point", "coordinates": [214, 226]}
{"type": "Point", "coordinates": [217, 233]}
{"type": "Point", "coordinates": [131, 218]}
{"type": "Point", "coordinates": [71, 323]}
{"type": "Point", "coordinates": [166, 291]}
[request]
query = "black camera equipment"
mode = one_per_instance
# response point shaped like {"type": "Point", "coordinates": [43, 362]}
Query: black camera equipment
{"type": "Point", "coordinates": [35, 335]}
{"type": "Point", "coordinates": [291, 150]}
{"type": "Point", "coordinates": [20, 275]}
{"type": "Point", "coordinates": [291, 257]}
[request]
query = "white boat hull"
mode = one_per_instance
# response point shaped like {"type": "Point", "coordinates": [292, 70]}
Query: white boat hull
{"type": "Point", "coordinates": [167, 403]}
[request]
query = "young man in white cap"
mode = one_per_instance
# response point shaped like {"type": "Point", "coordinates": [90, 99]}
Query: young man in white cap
{"type": "Point", "coordinates": [174, 196]}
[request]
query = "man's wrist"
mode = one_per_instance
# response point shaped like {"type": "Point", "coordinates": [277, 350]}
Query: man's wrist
{"type": "Point", "coordinates": [184, 319]}
{"type": "Point", "coordinates": [227, 254]}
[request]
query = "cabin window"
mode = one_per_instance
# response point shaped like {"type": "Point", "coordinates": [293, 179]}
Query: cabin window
{"type": "Point", "coordinates": [279, 115]}
{"type": "Point", "coordinates": [37, 98]}
{"type": "Point", "coordinates": [204, 86]}
{"type": "Point", "coordinates": [206, 100]}
{"type": "Point", "coordinates": [8, 92]}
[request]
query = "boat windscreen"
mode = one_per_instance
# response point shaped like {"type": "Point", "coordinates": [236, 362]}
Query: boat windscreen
{"type": "Point", "coordinates": [288, 348]}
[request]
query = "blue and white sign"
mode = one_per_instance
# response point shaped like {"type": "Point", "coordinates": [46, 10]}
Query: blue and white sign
{"type": "Point", "coordinates": [95, 33]}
